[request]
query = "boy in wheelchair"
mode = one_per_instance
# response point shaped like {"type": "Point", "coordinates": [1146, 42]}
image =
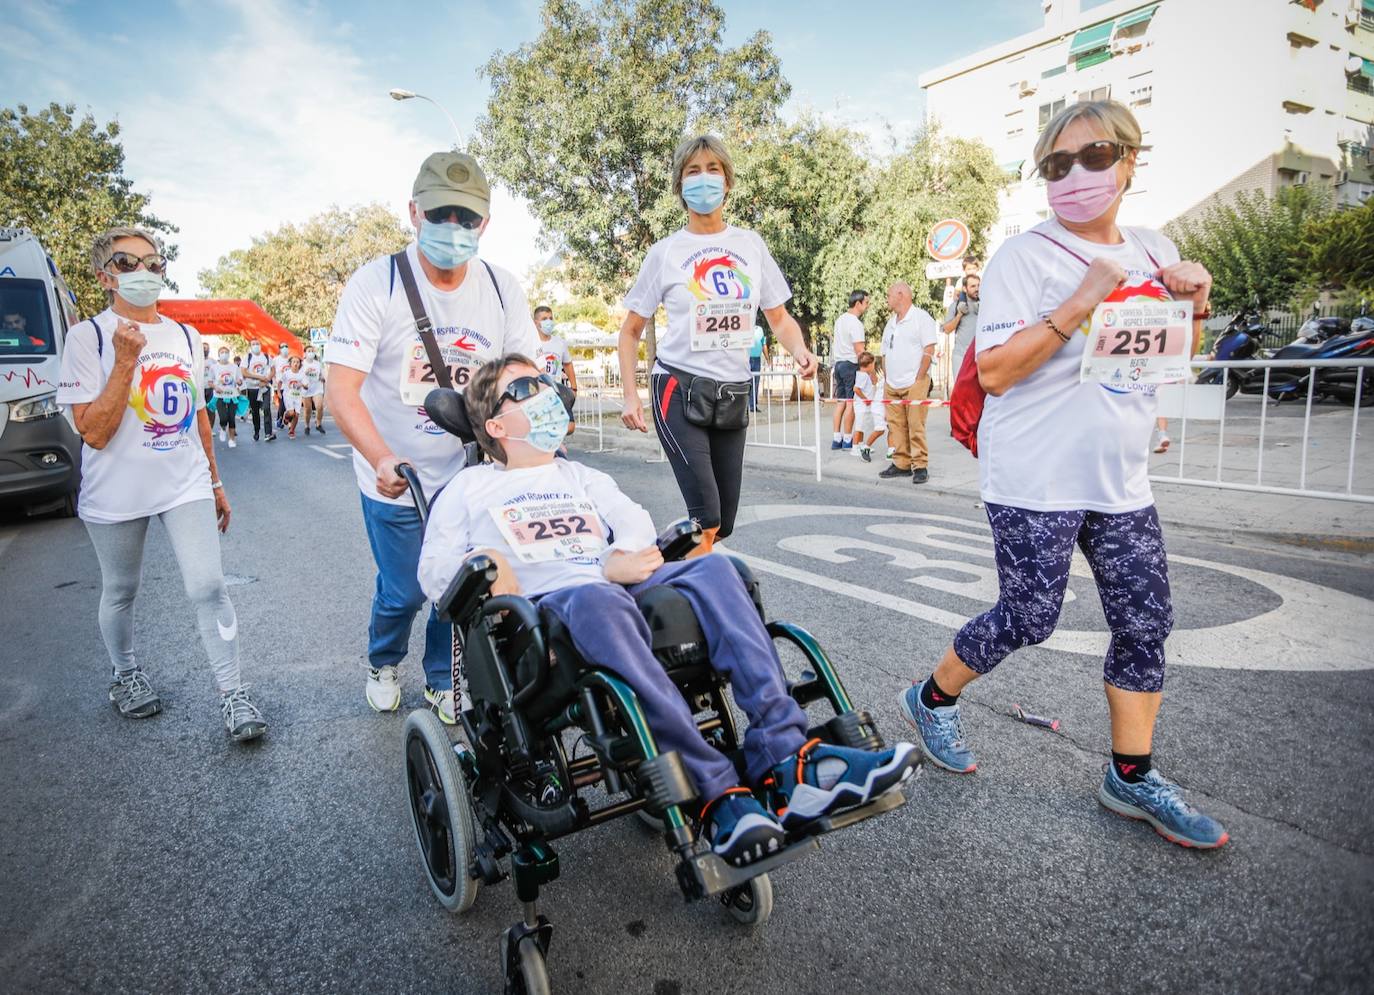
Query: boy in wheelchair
{"type": "Point", "coordinates": [565, 534]}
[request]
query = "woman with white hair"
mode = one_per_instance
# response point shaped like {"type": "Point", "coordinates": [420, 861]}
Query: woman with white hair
{"type": "Point", "coordinates": [131, 380]}
{"type": "Point", "coordinates": [713, 278]}
{"type": "Point", "coordinates": [1063, 459]}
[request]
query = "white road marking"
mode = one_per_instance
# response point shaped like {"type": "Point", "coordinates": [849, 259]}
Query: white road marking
{"type": "Point", "coordinates": [340, 445]}
{"type": "Point", "coordinates": [1314, 628]}
{"type": "Point", "coordinates": [328, 452]}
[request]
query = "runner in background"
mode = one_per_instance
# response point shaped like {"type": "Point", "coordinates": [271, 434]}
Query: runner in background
{"type": "Point", "coordinates": [712, 278]}
{"type": "Point", "coordinates": [554, 357]}
{"type": "Point", "coordinates": [313, 401]}
{"type": "Point", "coordinates": [870, 420]}
{"type": "Point", "coordinates": [258, 382]}
{"type": "Point", "coordinates": [228, 379]}
{"type": "Point", "coordinates": [1063, 462]}
{"type": "Point", "coordinates": [846, 342]}
{"type": "Point", "coordinates": [294, 383]}
{"type": "Point", "coordinates": [279, 364]}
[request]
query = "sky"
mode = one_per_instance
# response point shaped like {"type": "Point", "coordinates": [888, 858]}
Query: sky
{"type": "Point", "coordinates": [238, 116]}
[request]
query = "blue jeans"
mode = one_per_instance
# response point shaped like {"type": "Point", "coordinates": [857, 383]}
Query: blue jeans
{"type": "Point", "coordinates": [755, 365]}
{"type": "Point", "coordinates": [395, 534]}
{"type": "Point", "coordinates": [607, 628]}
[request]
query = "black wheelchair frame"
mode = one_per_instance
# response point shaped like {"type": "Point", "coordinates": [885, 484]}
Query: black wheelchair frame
{"type": "Point", "coordinates": [511, 789]}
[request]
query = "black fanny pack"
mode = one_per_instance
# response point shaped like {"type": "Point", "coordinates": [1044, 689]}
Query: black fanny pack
{"type": "Point", "coordinates": [711, 403]}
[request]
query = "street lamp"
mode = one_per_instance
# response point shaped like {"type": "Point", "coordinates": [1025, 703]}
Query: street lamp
{"type": "Point", "coordinates": [398, 94]}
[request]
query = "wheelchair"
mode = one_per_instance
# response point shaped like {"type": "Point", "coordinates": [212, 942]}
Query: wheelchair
{"type": "Point", "coordinates": [504, 794]}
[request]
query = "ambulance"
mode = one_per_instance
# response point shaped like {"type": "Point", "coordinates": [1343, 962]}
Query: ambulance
{"type": "Point", "coordinates": [40, 452]}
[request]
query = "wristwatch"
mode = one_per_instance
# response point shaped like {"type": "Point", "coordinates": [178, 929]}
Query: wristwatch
{"type": "Point", "coordinates": [216, 485]}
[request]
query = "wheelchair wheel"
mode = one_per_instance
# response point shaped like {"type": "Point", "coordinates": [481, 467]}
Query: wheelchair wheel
{"type": "Point", "coordinates": [533, 976]}
{"type": "Point", "coordinates": [441, 811]}
{"type": "Point", "coordinates": [750, 903]}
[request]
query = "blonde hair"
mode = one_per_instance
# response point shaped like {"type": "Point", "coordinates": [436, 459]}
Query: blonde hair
{"type": "Point", "coordinates": [1113, 118]}
{"type": "Point", "coordinates": [689, 148]}
{"type": "Point", "coordinates": [103, 246]}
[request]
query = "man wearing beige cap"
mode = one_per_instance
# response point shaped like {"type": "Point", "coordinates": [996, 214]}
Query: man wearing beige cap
{"type": "Point", "coordinates": [378, 375]}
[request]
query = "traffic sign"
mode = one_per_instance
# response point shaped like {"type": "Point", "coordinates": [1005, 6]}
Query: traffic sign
{"type": "Point", "coordinates": [318, 336]}
{"type": "Point", "coordinates": [947, 240]}
{"type": "Point", "coordinates": [947, 269]}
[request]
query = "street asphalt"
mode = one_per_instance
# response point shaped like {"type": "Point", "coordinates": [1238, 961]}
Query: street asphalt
{"type": "Point", "coordinates": [158, 856]}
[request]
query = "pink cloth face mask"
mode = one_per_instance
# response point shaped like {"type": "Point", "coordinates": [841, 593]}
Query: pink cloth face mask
{"type": "Point", "coordinates": [1083, 195]}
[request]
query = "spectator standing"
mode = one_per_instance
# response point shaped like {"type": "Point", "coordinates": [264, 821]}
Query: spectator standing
{"type": "Point", "coordinates": [870, 420]}
{"type": "Point", "coordinates": [846, 343]}
{"type": "Point", "coordinates": [908, 349]}
{"type": "Point", "coordinates": [758, 358]}
{"type": "Point", "coordinates": [961, 321]}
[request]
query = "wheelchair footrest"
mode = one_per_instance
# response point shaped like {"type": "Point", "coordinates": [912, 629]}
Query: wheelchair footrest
{"type": "Point", "coordinates": [706, 874]}
{"type": "Point", "coordinates": [886, 802]}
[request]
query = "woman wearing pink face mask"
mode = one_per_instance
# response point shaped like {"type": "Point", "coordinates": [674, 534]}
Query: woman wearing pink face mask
{"type": "Point", "coordinates": [1063, 461]}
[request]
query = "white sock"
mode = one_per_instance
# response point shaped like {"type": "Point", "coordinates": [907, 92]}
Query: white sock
{"type": "Point", "coordinates": [839, 437]}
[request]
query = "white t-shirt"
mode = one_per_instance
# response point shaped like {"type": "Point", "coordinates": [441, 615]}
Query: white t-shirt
{"type": "Point", "coordinates": [904, 344]}
{"type": "Point", "coordinates": [551, 354]}
{"type": "Point", "coordinates": [374, 331]}
{"type": "Point", "coordinates": [465, 519]}
{"type": "Point", "coordinates": [155, 460]}
{"type": "Point", "coordinates": [314, 376]}
{"type": "Point", "coordinates": [279, 363]}
{"type": "Point", "coordinates": [871, 388]}
{"type": "Point", "coordinates": [690, 275]}
{"type": "Point", "coordinates": [207, 375]}
{"type": "Point", "coordinates": [260, 363]}
{"type": "Point", "coordinates": [227, 378]}
{"type": "Point", "coordinates": [1051, 443]}
{"type": "Point", "coordinates": [849, 330]}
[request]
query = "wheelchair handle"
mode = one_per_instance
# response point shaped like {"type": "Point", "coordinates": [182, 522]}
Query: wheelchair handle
{"type": "Point", "coordinates": [417, 491]}
{"type": "Point", "coordinates": [679, 539]}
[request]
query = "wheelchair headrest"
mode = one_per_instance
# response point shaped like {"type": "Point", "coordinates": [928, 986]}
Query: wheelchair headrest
{"type": "Point", "coordinates": [446, 409]}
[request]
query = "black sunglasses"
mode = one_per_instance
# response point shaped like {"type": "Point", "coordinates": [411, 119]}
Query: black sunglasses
{"type": "Point", "coordinates": [523, 388]}
{"type": "Point", "coordinates": [127, 262]}
{"type": "Point", "coordinates": [1095, 157]}
{"type": "Point", "coordinates": [463, 216]}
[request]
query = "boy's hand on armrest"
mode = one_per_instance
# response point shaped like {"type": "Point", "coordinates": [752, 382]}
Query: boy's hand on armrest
{"type": "Point", "coordinates": [506, 582]}
{"type": "Point", "coordinates": [632, 568]}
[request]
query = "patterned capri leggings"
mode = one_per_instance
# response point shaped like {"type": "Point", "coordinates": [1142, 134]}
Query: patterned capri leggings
{"type": "Point", "coordinates": [1034, 550]}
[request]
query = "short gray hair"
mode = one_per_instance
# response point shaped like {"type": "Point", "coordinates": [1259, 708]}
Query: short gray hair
{"type": "Point", "coordinates": [1112, 117]}
{"type": "Point", "coordinates": [103, 246]}
{"type": "Point", "coordinates": [688, 149]}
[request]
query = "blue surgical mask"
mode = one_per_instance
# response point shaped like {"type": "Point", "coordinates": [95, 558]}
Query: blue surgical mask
{"type": "Point", "coordinates": [704, 192]}
{"type": "Point", "coordinates": [546, 326]}
{"type": "Point", "coordinates": [140, 288]}
{"type": "Point", "coordinates": [548, 420]}
{"type": "Point", "coordinates": [255, 348]}
{"type": "Point", "coordinates": [447, 245]}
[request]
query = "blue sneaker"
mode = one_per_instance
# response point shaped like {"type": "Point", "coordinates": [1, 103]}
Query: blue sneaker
{"type": "Point", "coordinates": [820, 779]}
{"type": "Point", "coordinates": [847, 444]}
{"type": "Point", "coordinates": [740, 829]}
{"type": "Point", "coordinates": [836, 445]}
{"type": "Point", "coordinates": [941, 732]}
{"type": "Point", "coordinates": [1159, 801]}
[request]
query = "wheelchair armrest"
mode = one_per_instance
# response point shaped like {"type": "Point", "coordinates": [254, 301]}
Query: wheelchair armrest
{"type": "Point", "coordinates": [527, 615]}
{"type": "Point", "coordinates": [679, 539]}
{"type": "Point", "coordinates": [468, 589]}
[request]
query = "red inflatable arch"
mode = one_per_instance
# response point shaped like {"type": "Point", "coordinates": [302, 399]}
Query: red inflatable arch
{"type": "Point", "coordinates": [233, 318]}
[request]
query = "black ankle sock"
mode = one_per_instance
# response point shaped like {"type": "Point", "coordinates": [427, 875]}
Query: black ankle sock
{"type": "Point", "coordinates": [934, 696]}
{"type": "Point", "coordinates": [1130, 767]}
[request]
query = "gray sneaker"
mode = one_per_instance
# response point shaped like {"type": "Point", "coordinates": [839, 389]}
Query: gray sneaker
{"type": "Point", "coordinates": [133, 695]}
{"type": "Point", "coordinates": [241, 716]}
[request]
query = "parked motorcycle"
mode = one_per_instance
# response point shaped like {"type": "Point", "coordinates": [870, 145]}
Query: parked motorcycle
{"type": "Point", "coordinates": [1239, 340]}
{"type": "Point", "coordinates": [1320, 329]}
{"type": "Point", "coordinates": [1334, 382]}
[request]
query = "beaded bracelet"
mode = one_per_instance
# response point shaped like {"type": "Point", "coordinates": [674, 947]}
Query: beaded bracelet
{"type": "Point", "coordinates": [1055, 328]}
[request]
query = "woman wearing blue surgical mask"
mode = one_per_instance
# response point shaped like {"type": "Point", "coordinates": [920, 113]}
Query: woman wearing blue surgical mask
{"type": "Point", "coordinates": [712, 278]}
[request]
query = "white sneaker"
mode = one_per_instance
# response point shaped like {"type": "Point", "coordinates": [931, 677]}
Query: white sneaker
{"type": "Point", "coordinates": [233, 444]}
{"type": "Point", "coordinates": [383, 689]}
{"type": "Point", "coordinates": [223, 435]}
{"type": "Point", "coordinates": [442, 701]}
{"type": "Point", "coordinates": [1161, 442]}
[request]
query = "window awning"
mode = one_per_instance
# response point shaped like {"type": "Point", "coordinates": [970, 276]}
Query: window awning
{"type": "Point", "coordinates": [1140, 16]}
{"type": "Point", "coordinates": [1367, 68]}
{"type": "Point", "coordinates": [1369, 6]}
{"type": "Point", "coordinates": [1091, 39]}
{"type": "Point", "coordinates": [1013, 167]}
{"type": "Point", "coordinates": [1092, 58]}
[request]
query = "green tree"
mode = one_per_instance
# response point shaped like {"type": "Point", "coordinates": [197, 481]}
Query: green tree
{"type": "Point", "coordinates": [64, 180]}
{"type": "Point", "coordinates": [1339, 248]}
{"type": "Point", "coordinates": [1252, 245]}
{"type": "Point", "coordinates": [582, 122]}
{"type": "Point", "coordinates": [938, 177]}
{"type": "Point", "coordinates": [297, 272]}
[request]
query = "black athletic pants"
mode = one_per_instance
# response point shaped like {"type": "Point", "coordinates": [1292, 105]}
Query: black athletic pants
{"type": "Point", "coordinates": [707, 462]}
{"type": "Point", "coordinates": [260, 407]}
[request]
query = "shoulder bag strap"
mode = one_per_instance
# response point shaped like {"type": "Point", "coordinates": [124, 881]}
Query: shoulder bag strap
{"type": "Point", "coordinates": [497, 287]}
{"type": "Point", "coordinates": [423, 325]}
{"type": "Point", "coordinates": [1056, 241]}
{"type": "Point", "coordinates": [99, 339]}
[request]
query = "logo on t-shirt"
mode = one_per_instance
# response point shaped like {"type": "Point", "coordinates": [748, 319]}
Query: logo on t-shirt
{"type": "Point", "coordinates": [164, 400]}
{"type": "Point", "coordinates": [721, 276]}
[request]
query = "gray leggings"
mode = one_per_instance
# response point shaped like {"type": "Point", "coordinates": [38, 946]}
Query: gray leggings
{"type": "Point", "coordinates": [192, 530]}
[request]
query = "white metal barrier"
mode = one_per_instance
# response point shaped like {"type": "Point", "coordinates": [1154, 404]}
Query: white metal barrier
{"type": "Point", "coordinates": [1192, 405]}
{"type": "Point", "coordinates": [770, 429]}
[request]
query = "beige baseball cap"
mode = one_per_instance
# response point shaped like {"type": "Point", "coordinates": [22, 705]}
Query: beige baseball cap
{"type": "Point", "coordinates": [452, 178]}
